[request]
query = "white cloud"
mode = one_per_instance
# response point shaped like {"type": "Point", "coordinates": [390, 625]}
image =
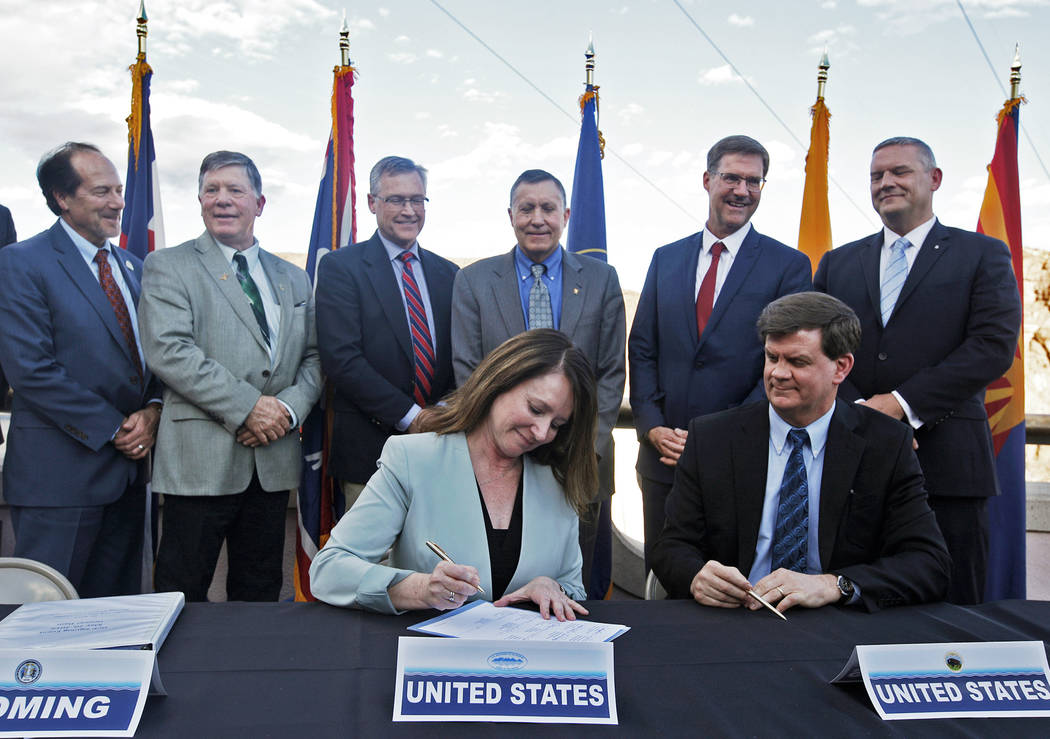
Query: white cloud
{"type": "Point", "coordinates": [622, 10]}
{"type": "Point", "coordinates": [829, 4]}
{"type": "Point", "coordinates": [182, 86]}
{"type": "Point", "coordinates": [723, 75]}
{"type": "Point", "coordinates": [402, 39]}
{"type": "Point", "coordinates": [914, 16]}
{"type": "Point", "coordinates": [401, 57]}
{"type": "Point", "coordinates": [629, 112]}
{"type": "Point", "coordinates": [385, 12]}
{"type": "Point", "coordinates": [658, 158]}
{"type": "Point", "coordinates": [435, 53]}
{"type": "Point", "coordinates": [632, 149]}
{"type": "Point", "coordinates": [474, 95]}
{"type": "Point", "coordinates": [743, 21]}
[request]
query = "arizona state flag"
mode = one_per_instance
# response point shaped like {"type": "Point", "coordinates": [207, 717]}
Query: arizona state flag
{"type": "Point", "coordinates": [814, 231]}
{"type": "Point", "coordinates": [320, 504]}
{"type": "Point", "coordinates": [1004, 400]}
{"type": "Point", "coordinates": [141, 226]}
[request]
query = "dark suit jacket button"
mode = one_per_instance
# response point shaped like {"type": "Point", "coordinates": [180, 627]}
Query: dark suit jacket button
{"type": "Point", "coordinates": [134, 380]}
{"type": "Point", "coordinates": [266, 373]}
{"type": "Point", "coordinates": [882, 356]}
{"type": "Point", "coordinates": [699, 364]}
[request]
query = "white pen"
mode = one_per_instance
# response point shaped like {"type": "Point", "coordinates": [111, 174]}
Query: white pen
{"type": "Point", "coordinates": [766, 603]}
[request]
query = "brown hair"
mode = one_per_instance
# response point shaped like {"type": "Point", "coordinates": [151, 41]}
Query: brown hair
{"type": "Point", "coordinates": [532, 354]}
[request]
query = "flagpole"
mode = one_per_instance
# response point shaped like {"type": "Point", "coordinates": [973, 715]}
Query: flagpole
{"type": "Point", "coordinates": [141, 29]}
{"type": "Point", "coordinates": [1015, 74]}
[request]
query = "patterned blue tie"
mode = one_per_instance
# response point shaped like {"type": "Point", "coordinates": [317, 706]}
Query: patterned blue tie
{"type": "Point", "coordinates": [791, 533]}
{"type": "Point", "coordinates": [893, 280]}
{"type": "Point", "coordinates": [540, 313]}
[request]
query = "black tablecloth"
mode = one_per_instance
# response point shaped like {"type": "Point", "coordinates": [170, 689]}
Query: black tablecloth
{"type": "Point", "coordinates": [312, 670]}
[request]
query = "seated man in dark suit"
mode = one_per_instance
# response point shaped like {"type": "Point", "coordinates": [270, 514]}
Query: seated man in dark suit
{"type": "Point", "coordinates": [818, 501]}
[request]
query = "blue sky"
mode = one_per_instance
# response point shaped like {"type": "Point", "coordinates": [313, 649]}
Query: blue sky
{"type": "Point", "coordinates": [256, 76]}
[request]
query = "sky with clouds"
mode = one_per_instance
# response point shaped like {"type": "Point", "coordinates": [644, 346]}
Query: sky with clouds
{"type": "Point", "coordinates": [256, 77]}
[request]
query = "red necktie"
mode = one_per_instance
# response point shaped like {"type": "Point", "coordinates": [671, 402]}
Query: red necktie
{"type": "Point", "coordinates": [422, 347]}
{"type": "Point", "coordinates": [109, 286]}
{"type": "Point", "coordinates": [705, 299]}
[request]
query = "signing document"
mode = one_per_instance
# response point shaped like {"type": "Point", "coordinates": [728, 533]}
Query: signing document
{"type": "Point", "coordinates": [482, 620]}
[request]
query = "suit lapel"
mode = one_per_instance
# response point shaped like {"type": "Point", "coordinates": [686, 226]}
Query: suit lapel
{"type": "Point", "coordinates": [684, 285]}
{"type": "Point", "coordinates": [380, 274]}
{"type": "Point", "coordinates": [507, 295]}
{"type": "Point", "coordinates": [572, 292]}
{"type": "Point", "coordinates": [936, 244]}
{"type": "Point", "coordinates": [744, 261]}
{"type": "Point", "coordinates": [282, 293]}
{"type": "Point", "coordinates": [72, 262]}
{"type": "Point", "coordinates": [750, 452]}
{"type": "Point", "coordinates": [440, 291]}
{"type": "Point", "coordinates": [222, 272]}
{"type": "Point", "coordinates": [842, 453]}
{"type": "Point", "coordinates": [870, 267]}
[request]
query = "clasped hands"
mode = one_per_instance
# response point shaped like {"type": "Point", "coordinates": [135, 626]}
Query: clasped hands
{"type": "Point", "coordinates": [450, 585]}
{"type": "Point", "coordinates": [138, 432]}
{"type": "Point", "coordinates": [668, 442]}
{"type": "Point", "coordinates": [268, 421]}
{"type": "Point", "coordinates": [724, 586]}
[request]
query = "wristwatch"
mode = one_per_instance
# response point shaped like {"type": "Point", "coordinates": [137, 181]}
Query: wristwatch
{"type": "Point", "coordinates": [846, 589]}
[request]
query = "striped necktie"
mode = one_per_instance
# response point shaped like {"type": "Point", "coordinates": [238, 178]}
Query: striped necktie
{"type": "Point", "coordinates": [120, 308]}
{"type": "Point", "coordinates": [893, 279]}
{"type": "Point", "coordinates": [251, 291]}
{"type": "Point", "coordinates": [422, 346]}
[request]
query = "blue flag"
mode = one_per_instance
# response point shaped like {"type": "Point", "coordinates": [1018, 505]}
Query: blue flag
{"type": "Point", "coordinates": [587, 221]}
{"type": "Point", "coordinates": [141, 227]}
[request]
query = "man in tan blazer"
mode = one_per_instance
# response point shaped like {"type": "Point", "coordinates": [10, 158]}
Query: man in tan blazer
{"type": "Point", "coordinates": [230, 329]}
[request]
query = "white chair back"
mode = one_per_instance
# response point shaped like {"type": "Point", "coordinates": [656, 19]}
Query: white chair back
{"type": "Point", "coordinates": [29, 581]}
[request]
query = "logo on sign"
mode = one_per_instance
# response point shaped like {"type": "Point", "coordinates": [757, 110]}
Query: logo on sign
{"type": "Point", "coordinates": [28, 672]}
{"type": "Point", "coordinates": [507, 660]}
{"type": "Point", "coordinates": [953, 661]}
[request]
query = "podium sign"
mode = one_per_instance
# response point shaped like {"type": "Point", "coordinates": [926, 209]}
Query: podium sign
{"type": "Point", "coordinates": [63, 692]}
{"type": "Point", "coordinates": [480, 680]}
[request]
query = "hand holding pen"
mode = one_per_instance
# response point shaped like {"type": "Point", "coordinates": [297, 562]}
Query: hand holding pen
{"type": "Point", "coordinates": [458, 582]}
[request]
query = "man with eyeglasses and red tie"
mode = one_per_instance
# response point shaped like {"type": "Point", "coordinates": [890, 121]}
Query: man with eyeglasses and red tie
{"type": "Point", "coordinates": [383, 325]}
{"type": "Point", "coordinates": [692, 348]}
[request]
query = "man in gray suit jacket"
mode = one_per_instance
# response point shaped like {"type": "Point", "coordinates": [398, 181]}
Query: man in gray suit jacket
{"type": "Point", "coordinates": [230, 328]}
{"type": "Point", "coordinates": [540, 285]}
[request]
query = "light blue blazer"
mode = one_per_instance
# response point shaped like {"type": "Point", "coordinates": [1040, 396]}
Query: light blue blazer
{"type": "Point", "coordinates": [425, 489]}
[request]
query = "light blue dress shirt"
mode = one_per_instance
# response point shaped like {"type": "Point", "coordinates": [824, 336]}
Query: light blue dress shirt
{"type": "Point", "coordinates": [552, 278]}
{"type": "Point", "coordinates": [813, 457]}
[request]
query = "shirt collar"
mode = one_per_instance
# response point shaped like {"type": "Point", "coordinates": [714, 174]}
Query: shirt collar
{"type": "Point", "coordinates": [393, 250]}
{"type": "Point", "coordinates": [732, 242]}
{"type": "Point", "coordinates": [251, 254]}
{"type": "Point", "coordinates": [916, 236]}
{"type": "Point", "coordinates": [524, 264]}
{"type": "Point", "coordinates": [818, 431]}
{"type": "Point", "coordinates": [85, 247]}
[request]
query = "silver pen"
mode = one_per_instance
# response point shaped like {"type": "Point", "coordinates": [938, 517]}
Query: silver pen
{"type": "Point", "coordinates": [441, 553]}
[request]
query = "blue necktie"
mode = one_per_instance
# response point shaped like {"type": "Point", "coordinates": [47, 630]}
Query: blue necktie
{"type": "Point", "coordinates": [893, 279]}
{"type": "Point", "coordinates": [791, 533]}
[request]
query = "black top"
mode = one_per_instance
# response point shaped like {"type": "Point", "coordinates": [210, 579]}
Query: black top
{"type": "Point", "coordinates": [504, 544]}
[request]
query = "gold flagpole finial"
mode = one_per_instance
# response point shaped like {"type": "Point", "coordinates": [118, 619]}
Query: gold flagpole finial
{"type": "Point", "coordinates": [1015, 73]}
{"type": "Point", "coordinates": [822, 73]}
{"type": "Point", "coordinates": [589, 56]}
{"type": "Point", "coordinates": [344, 43]}
{"type": "Point", "coordinates": [141, 30]}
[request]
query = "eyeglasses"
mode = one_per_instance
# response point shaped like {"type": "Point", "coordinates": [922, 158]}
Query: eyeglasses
{"type": "Point", "coordinates": [397, 201]}
{"type": "Point", "coordinates": [754, 184]}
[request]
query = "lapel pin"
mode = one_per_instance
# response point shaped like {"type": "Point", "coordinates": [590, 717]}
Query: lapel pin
{"type": "Point", "coordinates": [936, 246]}
{"type": "Point", "coordinates": [129, 265]}
{"type": "Point", "coordinates": [576, 291]}
{"type": "Point", "coordinates": [223, 276]}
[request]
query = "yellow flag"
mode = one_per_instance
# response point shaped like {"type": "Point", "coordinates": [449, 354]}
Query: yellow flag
{"type": "Point", "coordinates": [814, 231]}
